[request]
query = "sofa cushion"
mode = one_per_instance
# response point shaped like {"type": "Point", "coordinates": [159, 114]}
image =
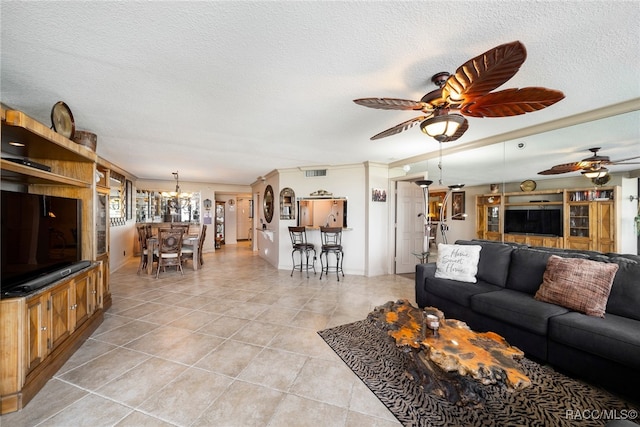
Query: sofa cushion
{"type": "Point", "coordinates": [458, 262]}
{"type": "Point", "coordinates": [516, 308]}
{"type": "Point", "coordinates": [614, 337]}
{"type": "Point", "coordinates": [528, 266]}
{"type": "Point", "coordinates": [624, 299]}
{"type": "Point", "coordinates": [580, 284]}
{"type": "Point", "coordinates": [456, 291]}
{"type": "Point", "coordinates": [495, 258]}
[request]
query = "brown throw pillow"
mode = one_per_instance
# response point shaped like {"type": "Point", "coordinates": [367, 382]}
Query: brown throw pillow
{"type": "Point", "coordinates": [579, 284]}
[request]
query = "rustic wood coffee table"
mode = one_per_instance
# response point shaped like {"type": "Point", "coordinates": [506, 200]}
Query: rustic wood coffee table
{"type": "Point", "coordinates": [454, 362]}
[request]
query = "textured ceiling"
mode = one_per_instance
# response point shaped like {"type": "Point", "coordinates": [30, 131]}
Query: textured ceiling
{"type": "Point", "coordinates": [228, 91]}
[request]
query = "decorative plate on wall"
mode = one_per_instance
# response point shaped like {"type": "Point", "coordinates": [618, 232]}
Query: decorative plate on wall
{"type": "Point", "coordinates": [62, 120]}
{"type": "Point", "coordinates": [268, 203]}
{"type": "Point", "coordinates": [528, 185]}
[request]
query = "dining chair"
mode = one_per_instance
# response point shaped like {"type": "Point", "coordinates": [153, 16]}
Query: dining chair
{"type": "Point", "coordinates": [299, 242]}
{"type": "Point", "coordinates": [188, 248]}
{"type": "Point", "coordinates": [203, 234]}
{"type": "Point", "coordinates": [183, 225]}
{"type": "Point", "coordinates": [331, 244]}
{"type": "Point", "coordinates": [169, 249]}
{"type": "Point", "coordinates": [144, 249]}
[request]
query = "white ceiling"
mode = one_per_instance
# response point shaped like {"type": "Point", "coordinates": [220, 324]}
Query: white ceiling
{"type": "Point", "coordinates": [228, 91]}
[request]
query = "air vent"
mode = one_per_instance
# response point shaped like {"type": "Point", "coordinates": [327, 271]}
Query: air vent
{"type": "Point", "coordinates": [315, 172]}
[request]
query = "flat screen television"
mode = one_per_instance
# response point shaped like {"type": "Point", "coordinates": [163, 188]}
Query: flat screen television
{"type": "Point", "coordinates": [546, 222]}
{"type": "Point", "coordinates": [40, 235]}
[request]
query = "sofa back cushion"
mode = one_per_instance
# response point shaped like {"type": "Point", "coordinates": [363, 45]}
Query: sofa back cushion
{"type": "Point", "coordinates": [624, 299]}
{"type": "Point", "coordinates": [528, 266]}
{"type": "Point", "coordinates": [495, 257]}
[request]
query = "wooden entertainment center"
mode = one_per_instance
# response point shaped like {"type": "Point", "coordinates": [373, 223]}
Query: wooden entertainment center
{"type": "Point", "coordinates": [588, 217]}
{"type": "Point", "coordinates": [40, 331]}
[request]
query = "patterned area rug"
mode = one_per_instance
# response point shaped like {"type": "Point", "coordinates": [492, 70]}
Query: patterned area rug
{"type": "Point", "coordinates": [553, 399]}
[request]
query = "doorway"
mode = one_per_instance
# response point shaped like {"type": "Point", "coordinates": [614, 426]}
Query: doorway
{"type": "Point", "coordinates": [409, 226]}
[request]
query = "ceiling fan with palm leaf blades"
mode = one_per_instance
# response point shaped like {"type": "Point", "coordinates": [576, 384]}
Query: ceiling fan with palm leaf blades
{"type": "Point", "coordinates": [467, 92]}
{"type": "Point", "coordinates": [591, 167]}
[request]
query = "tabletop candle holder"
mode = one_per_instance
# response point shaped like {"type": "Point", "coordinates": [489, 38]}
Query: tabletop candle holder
{"type": "Point", "coordinates": [433, 323]}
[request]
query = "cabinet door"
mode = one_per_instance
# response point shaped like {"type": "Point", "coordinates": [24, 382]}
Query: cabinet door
{"type": "Point", "coordinates": [60, 314]}
{"type": "Point", "coordinates": [37, 338]}
{"type": "Point", "coordinates": [605, 222]}
{"type": "Point", "coordinates": [480, 221]}
{"type": "Point", "coordinates": [579, 224]}
{"type": "Point", "coordinates": [85, 298]}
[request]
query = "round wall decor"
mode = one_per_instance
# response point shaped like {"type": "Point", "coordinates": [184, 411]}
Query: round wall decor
{"type": "Point", "coordinates": [528, 185]}
{"type": "Point", "coordinates": [62, 120]}
{"type": "Point", "coordinates": [268, 203]}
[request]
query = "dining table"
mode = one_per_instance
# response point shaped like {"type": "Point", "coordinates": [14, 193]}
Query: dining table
{"type": "Point", "coordinates": [190, 239]}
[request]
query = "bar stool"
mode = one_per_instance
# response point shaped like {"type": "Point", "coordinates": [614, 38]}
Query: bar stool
{"type": "Point", "coordinates": [331, 244]}
{"type": "Point", "coordinates": [300, 244]}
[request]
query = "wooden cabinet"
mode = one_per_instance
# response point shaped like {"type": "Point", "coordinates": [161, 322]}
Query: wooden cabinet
{"type": "Point", "coordinates": [532, 240]}
{"type": "Point", "coordinates": [219, 224]}
{"type": "Point", "coordinates": [591, 221]}
{"type": "Point", "coordinates": [42, 331]}
{"type": "Point", "coordinates": [489, 217]}
{"type": "Point", "coordinates": [39, 332]}
{"type": "Point", "coordinates": [588, 217]}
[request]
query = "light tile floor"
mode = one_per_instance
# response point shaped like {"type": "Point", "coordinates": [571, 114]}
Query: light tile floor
{"type": "Point", "coordinates": [232, 344]}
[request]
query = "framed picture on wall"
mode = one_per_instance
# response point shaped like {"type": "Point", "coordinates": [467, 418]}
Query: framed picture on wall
{"type": "Point", "coordinates": [378, 195]}
{"type": "Point", "coordinates": [457, 205]}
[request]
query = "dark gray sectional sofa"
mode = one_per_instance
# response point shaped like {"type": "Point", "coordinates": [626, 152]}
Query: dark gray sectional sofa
{"type": "Point", "coordinates": [604, 351]}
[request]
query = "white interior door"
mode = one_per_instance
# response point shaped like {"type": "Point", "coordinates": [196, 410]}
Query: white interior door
{"type": "Point", "coordinates": [409, 227]}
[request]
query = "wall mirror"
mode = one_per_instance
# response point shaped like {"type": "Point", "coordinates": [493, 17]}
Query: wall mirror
{"type": "Point", "coordinates": [435, 204]}
{"type": "Point", "coordinates": [117, 195]}
{"type": "Point", "coordinates": [268, 203]}
{"type": "Point", "coordinates": [325, 212]}
{"type": "Point", "coordinates": [159, 206]}
{"type": "Point", "coordinates": [287, 204]}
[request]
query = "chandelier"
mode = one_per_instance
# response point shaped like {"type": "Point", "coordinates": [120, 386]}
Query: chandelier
{"type": "Point", "coordinates": [177, 194]}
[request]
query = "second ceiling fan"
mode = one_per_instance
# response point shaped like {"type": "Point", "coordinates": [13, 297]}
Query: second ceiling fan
{"type": "Point", "coordinates": [593, 165]}
{"type": "Point", "coordinates": [467, 92]}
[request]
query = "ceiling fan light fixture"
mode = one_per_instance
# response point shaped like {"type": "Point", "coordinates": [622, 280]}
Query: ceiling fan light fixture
{"type": "Point", "coordinates": [598, 173]}
{"type": "Point", "coordinates": [442, 126]}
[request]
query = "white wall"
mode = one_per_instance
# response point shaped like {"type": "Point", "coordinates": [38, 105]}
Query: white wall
{"type": "Point", "coordinates": [244, 224]}
{"type": "Point", "coordinates": [378, 216]}
{"type": "Point", "coordinates": [628, 211]}
{"type": "Point", "coordinates": [343, 181]}
{"type": "Point", "coordinates": [267, 242]}
{"type": "Point", "coordinates": [122, 239]}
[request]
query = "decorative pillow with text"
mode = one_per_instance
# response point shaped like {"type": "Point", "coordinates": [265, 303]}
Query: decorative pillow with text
{"type": "Point", "coordinates": [458, 262]}
{"type": "Point", "coordinates": [579, 284]}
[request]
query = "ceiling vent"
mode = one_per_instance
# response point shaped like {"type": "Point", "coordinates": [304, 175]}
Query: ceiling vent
{"type": "Point", "coordinates": [315, 172]}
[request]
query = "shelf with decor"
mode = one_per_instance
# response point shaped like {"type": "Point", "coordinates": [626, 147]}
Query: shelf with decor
{"type": "Point", "coordinates": [538, 198]}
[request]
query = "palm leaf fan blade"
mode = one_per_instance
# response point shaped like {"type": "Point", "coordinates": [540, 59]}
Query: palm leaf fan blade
{"type": "Point", "coordinates": [563, 168]}
{"type": "Point", "coordinates": [512, 102]}
{"type": "Point", "coordinates": [399, 128]}
{"type": "Point", "coordinates": [392, 104]}
{"type": "Point", "coordinates": [484, 73]}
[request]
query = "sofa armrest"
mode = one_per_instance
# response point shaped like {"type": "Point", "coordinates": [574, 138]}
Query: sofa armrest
{"type": "Point", "coordinates": [422, 272]}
